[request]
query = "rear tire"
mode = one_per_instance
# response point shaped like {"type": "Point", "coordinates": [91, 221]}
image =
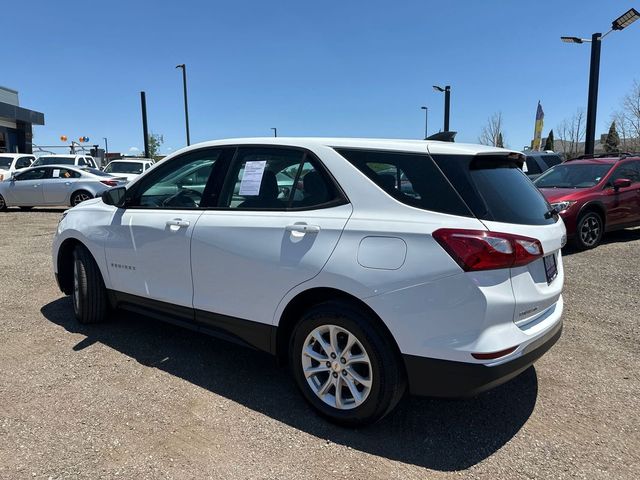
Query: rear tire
{"type": "Point", "coordinates": [79, 197]}
{"type": "Point", "coordinates": [337, 346]}
{"type": "Point", "coordinates": [3, 204]}
{"type": "Point", "coordinates": [89, 294]}
{"type": "Point", "coordinates": [589, 231]}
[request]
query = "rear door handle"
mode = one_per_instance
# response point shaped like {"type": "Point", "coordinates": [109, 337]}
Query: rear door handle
{"type": "Point", "coordinates": [177, 222]}
{"type": "Point", "coordinates": [302, 228]}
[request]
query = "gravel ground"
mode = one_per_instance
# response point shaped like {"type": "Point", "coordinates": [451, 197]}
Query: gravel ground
{"type": "Point", "coordinates": [135, 398]}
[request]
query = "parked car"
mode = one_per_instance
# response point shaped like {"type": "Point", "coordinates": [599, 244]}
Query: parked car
{"type": "Point", "coordinates": [54, 185]}
{"type": "Point", "coordinates": [73, 160]}
{"type": "Point", "coordinates": [12, 162]}
{"type": "Point", "coordinates": [449, 289]}
{"type": "Point", "coordinates": [128, 168]}
{"type": "Point", "coordinates": [594, 195]}
{"type": "Point", "coordinates": [538, 162]}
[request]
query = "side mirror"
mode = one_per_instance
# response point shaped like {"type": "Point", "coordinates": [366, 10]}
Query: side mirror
{"type": "Point", "coordinates": [115, 196]}
{"type": "Point", "coordinates": [621, 183]}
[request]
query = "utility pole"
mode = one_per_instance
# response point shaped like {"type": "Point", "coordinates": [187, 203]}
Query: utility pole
{"type": "Point", "coordinates": [145, 130]}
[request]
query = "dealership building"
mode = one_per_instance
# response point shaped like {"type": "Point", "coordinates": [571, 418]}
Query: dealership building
{"type": "Point", "coordinates": [16, 123]}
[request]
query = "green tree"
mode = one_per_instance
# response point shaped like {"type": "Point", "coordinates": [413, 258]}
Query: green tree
{"type": "Point", "coordinates": [500, 142]}
{"type": "Point", "coordinates": [548, 145]}
{"type": "Point", "coordinates": [155, 141]}
{"type": "Point", "coordinates": [612, 142]}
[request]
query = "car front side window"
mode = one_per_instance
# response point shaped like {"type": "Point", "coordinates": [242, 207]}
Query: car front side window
{"type": "Point", "coordinates": [35, 174]}
{"type": "Point", "coordinates": [182, 183]}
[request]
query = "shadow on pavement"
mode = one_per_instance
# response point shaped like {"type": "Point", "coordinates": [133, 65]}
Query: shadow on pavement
{"type": "Point", "coordinates": [443, 435]}
{"type": "Point", "coordinates": [618, 236]}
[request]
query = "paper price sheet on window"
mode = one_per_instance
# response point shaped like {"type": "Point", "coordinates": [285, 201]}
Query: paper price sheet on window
{"type": "Point", "coordinates": [252, 177]}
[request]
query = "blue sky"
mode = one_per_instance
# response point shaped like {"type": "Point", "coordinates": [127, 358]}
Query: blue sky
{"type": "Point", "coordinates": [330, 68]}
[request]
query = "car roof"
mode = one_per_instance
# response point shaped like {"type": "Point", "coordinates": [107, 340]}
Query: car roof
{"type": "Point", "coordinates": [405, 145]}
{"type": "Point", "coordinates": [131, 160]}
{"type": "Point", "coordinates": [16, 155]}
{"type": "Point", "coordinates": [595, 161]}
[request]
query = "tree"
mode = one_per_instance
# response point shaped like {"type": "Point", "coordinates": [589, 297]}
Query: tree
{"type": "Point", "coordinates": [492, 133]}
{"type": "Point", "coordinates": [571, 133]}
{"type": "Point", "coordinates": [548, 145]}
{"type": "Point", "coordinates": [628, 120]}
{"type": "Point", "coordinates": [612, 143]}
{"type": "Point", "coordinates": [155, 141]}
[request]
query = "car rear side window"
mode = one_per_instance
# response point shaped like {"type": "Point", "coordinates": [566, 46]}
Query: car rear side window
{"type": "Point", "coordinates": [410, 178]}
{"type": "Point", "coordinates": [268, 178]}
{"type": "Point", "coordinates": [496, 189]}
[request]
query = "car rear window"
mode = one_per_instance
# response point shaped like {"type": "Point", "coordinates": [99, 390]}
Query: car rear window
{"type": "Point", "coordinates": [410, 178]}
{"type": "Point", "coordinates": [496, 189]}
{"type": "Point", "coordinates": [55, 161]}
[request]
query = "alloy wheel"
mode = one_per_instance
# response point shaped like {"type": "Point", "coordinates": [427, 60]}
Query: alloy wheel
{"type": "Point", "coordinates": [590, 230]}
{"type": "Point", "coordinates": [80, 197]}
{"type": "Point", "coordinates": [337, 367]}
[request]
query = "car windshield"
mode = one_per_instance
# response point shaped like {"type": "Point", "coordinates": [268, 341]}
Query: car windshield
{"type": "Point", "coordinates": [576, 175]}
{"type": "Point", "coordinates": [54, 161]}
{"type": "Point", "coordinates": [124, 167]}
{"type": "Point", "coordinates": [5, 162]}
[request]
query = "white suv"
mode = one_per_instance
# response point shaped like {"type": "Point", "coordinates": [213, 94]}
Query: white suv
{"type": "Point", "coordinates": [71, 159]}
{"type": "Point", "coordinates": [378, 264]}
{"type": "Point", "coordinates": [12, 162]}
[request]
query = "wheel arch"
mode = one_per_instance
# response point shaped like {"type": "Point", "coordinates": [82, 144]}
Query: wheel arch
{"type": "Point", "coordinates": [314, 296]}
{"type": "Point", "coordinates": [64, 263]}
{"type": "Point", "coordinates": [596, 207]}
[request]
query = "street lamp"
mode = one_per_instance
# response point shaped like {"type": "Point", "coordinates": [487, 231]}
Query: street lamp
{"type": "Point", "coordinates": [447, 103]}
{"type": "Point", "coordinates": [619, 23]}
{"type": "Point", "coordinates": [275, 131]}
{"type": "Point", "coordinates": [106, 147]}
{"type": "Point", "coordinates": [426, 119]}
{"type": "Point", "coordinates": [186, 108]}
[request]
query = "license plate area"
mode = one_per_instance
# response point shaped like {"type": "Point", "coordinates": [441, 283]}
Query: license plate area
{"type": "Point", "coordinates": [550, 268]}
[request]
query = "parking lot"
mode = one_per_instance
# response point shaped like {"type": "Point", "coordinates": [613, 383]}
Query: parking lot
{"type": "Point", "coordinates": [141, 399]}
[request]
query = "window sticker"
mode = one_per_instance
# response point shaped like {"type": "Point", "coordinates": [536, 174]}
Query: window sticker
{"type": "Point", "coordinates": [56, 173]}
{"type": "Point", "coordinates": [252, 178]}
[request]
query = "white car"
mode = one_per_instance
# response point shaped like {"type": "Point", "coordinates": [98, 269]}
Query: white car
{"type": "Point", "coordinates": [129, 168]}
{"type": "Point", "coordinates": [425, 264]}
{"type": "Point", "coordinates": [71, 159]}
{"type": "Point", "coordinates": [12, 162]}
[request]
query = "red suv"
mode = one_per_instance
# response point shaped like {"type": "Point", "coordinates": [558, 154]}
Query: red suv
{"type": "Point", "coordinates": [594, 195]}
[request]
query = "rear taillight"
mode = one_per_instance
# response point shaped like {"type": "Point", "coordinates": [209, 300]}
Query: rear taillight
{"type": "Point", "coordinates": [109, 183]}
{"type": "Point", "coordinates": [482, 250]}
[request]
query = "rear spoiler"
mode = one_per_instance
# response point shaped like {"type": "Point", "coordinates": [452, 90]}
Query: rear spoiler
{"type": "Point", "coordinates": [443, 136]}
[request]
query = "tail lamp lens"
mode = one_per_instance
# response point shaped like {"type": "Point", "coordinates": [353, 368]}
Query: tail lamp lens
{"type": "Point", "coordinates": [109, 183]}
{"type": "Point", "coordinates": [482, 250]}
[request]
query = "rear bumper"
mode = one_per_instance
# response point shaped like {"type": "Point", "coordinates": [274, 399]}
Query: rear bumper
{"type": "Point", "coordinates": [445, 378]}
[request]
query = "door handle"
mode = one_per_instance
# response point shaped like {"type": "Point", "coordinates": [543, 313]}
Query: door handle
{"type": "Point", "coordinates": [302, 228]}
{"type": "Point", "coordinates": [177, 222]}
{"type": "Point", "coordinates": [36, 186]}
{"type": "Point", "coordinates": [67, 183]}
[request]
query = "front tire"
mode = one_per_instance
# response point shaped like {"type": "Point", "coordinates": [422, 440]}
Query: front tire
{"type": "Point", "coordinates": [346, 368]}
{"type": "Point", "coordinates": [89, 293]}
{"type": "Point", "coordinates": [3, 204]}
{"type": "Point", "coordinates": [589, 231]}
{"type": "Point", "coordinates": [79, 197]}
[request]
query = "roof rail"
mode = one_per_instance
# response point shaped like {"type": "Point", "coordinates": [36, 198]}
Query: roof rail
{"type": "Point", "coordinates": [603, 155]}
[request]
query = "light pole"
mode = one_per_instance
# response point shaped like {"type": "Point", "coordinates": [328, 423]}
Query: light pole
{"type": "Point", "coordinates": [447, 103]}
{"type": "Point", "coordinates": [619, 23]}
{"type": "Point", "coordinates": [426, 120]}
{"type": "Point", "coordinates": [186, 107]}
{"type": "Point", "coordinates": [106, 147]}
{"type": "Point", "coordinates": [275, 131]}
